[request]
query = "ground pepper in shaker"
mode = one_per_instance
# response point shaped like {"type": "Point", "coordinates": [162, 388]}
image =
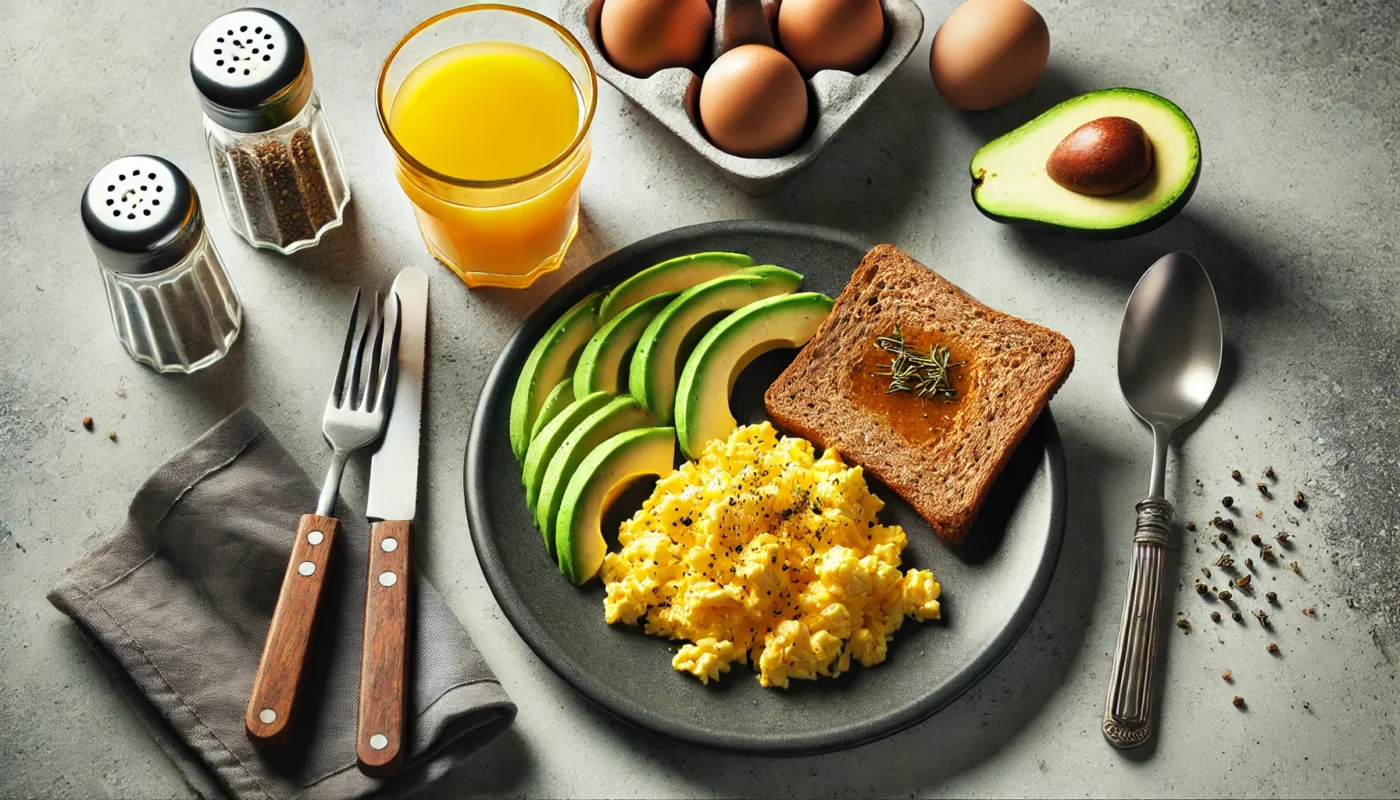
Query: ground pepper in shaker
{"type": "Point", "coordinates": [280, 177]}
{"type": "Point", "coordinates": [172, 303]}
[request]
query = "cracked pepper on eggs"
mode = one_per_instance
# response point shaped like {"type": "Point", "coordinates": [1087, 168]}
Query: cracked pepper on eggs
{"type": "Point", "coordinates": [762, 553]}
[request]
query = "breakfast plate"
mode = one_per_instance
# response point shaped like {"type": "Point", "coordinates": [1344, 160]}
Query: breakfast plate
{"type": "Point", "coordinates": [992, 584]}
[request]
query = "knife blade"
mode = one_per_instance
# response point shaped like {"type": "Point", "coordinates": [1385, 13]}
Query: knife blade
{"type": "Point", "coordinates": [393, 501]}
{"type": "Point", "coordinates": [393, 476]}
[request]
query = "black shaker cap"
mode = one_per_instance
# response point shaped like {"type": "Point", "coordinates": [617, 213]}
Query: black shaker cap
{"type": "Point", "coordinates": [251, 69]}
{"type": "Point", "coordinates": [142, 215]}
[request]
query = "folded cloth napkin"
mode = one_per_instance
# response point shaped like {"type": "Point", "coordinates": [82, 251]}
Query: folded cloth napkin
{"type": "Point", "coordinates": [178, 600]}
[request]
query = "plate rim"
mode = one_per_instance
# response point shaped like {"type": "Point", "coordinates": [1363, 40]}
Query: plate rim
{"type": "Point", "coordinates": [637, 714]}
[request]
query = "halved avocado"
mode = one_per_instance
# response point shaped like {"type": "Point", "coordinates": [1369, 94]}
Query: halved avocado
{"type": "Point", "coordinates": [549, 363]}
{"type": "Point", "coordinates": [658, 359]}
{"type": "Point", "coordinates": [702, 398]}
{"type": "Point", "coordinates": [1010, 183]}
{"type": "Point", "coordinates": [602, 476]}
{"type": "Point", "coordinates": [600, 364]}
{"type": "Point", "coordinates": [675, 275]}
{"type": "Point", "coordinates": [557, 400]}
{"type": "Point", "coordinates": [620, 414]}
{"type": "Point", "coordinates": [544, 446]}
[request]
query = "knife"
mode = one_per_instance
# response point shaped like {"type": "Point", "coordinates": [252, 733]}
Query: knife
{"type": "Point", "coordinates": [393, 500]}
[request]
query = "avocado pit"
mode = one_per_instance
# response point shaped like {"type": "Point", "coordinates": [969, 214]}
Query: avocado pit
{"type": "Point", "coordinates": [1106, 156]}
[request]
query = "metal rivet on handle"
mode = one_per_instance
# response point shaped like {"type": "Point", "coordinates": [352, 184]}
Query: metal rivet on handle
{"type": "Point", "coordinates": [388, 579]}
{"type": "Point", "coordinates": [267, 716]}
{"type": "Point", "coordinates": [379, 741]}
{"type": "Point", "coordinates": [306, 568]}
{"type": "Point", "coordinates": [315, 537]}
{"type": "Point", "coordinates": [389, 545]}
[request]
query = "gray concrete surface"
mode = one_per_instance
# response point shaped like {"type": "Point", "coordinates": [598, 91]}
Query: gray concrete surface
{"type": "Point", "coordinates": [1298, 107]}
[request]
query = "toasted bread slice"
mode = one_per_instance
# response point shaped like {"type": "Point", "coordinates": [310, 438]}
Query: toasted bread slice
{"type": "Point", "coordinates": [941, 454]}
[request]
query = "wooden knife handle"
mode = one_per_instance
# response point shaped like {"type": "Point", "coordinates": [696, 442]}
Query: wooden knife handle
{"type": "Point", "coordinates": [273, 701]}
{"type": "Point", "coordinates": [379, 740]}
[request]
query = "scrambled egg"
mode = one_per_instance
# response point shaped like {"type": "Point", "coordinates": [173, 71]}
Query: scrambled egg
{"type": "Point", "coordinates": [764, 554]}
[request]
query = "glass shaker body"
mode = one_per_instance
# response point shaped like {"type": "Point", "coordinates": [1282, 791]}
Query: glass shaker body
{"type": "Point", "coordinates": [283, 188]}
{"type": "Point", "coordinates": [172, 303]}
{"type": "Point", "coordinates": [281, 181]}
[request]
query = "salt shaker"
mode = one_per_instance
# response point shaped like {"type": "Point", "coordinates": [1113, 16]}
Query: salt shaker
{"type": "Point", "coordinates": [280, 177]}
{"type": "Point", "coordinates": [172, 304]}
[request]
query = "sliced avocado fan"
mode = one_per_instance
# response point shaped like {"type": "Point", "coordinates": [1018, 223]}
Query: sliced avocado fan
{"type": "Point", "coordinates": [551, 361]}
{"type": "Point", "coordinates": [1010, 183]}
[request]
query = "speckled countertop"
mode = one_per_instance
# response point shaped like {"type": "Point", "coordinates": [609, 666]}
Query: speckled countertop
{"type": "Point", "coordinates": [1298, 107]}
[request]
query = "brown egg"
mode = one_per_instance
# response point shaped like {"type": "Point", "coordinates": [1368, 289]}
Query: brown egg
{"type": "Point", "coordinates": [753, 102]}
{"type": "Point", "coordinates": [832, 34]}
{"type": "Point", "coordinates": [641, 37]}
{"type": "Point", "coordinates": [989, 52]}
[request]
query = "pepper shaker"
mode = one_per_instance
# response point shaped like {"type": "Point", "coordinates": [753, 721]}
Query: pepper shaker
{"type": "Point", "coordinates": [172, 303]}
{"type": "Point", "coordinates": [281, 181]}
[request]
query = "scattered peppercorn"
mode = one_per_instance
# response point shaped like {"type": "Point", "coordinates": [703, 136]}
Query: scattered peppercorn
{"type": "Point", "coordinates": [1249, 563]}
{"type": "Point", "coordinates": [1224, 539]}
{"type": "Point", "coordinates": [1268, 472]}
{"type": "Point", "coordinates": [1293, 565]}
{"type": "Point", "coordinates": [1264, 489]}
{"type": "Point", "coordinates": [1309, 612]}
{"type": "Point", "coordinates": [1271, 597]}
{"type": "Point", "coordinates": [1225, 595]}
{"type": "Point", "coordinates": [1225, 561]}
{"type": "Point", "coordinates": [1255, 539]}
{"type": "Point", "coordinates": [1227, 501]}
{"type": "Point", "coordinates": [1272, 648]}
{"type": "Point", "coordinates": [1227, 675]}
{"type": "Point", "coordinates": [1267, 551]}
{"type": "Point", "coordinates": [112, 435]}
{"type": "Point", "coordinates": [1263, 618]}
{"type": "Point", "coordinates": [1234, 473]}
{"type": "Point", "coordinates": [1282, 537]}
{"type": "Point", "coordinates": [1299, 500]}
{"type": "Point", "coordinates": [1258, 513]}
{"type": "Point", "coordinates": [1205, 571]}
{"type": "Point", "coordinates": [1190, 526]}
{"type": "Point", "coordinates": [1183, 624]}
{"type": "Point", "coordinates": [1224, 524]}
{"type": "Point", "coordinates": [1201, 588]}
{"type": "Point", "coordinates": [1238, 701]}
{"type": "Point", "coordinates": [1215, 616]}
{"type": "Point", "coordinates": [1237, 617]}
{"type": "Point", "coordinates": [87, 422]}
{"type": "Point", "coordinates": [1242, 581]}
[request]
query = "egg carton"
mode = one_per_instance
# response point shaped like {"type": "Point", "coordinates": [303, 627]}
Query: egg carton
{"type": "Point", "coordinates": [672, 96]}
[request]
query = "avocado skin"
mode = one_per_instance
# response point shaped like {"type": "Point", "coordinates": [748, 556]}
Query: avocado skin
{"type": "Point", "coordinates": [1098, 234]}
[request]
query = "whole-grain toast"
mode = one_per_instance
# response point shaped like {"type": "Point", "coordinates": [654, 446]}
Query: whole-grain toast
{"type": "Point", "coordinates": [941, 454]}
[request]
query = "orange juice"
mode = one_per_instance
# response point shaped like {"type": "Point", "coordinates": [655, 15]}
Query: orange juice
{"type": "Point", "coordinates": [495, 125]}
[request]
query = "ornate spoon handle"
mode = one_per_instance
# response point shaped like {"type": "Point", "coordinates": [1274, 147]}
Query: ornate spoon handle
{"type": "Point", "coordinates": [1129, 718]}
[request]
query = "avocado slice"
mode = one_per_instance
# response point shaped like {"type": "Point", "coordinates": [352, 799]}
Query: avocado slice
{"type": "Point", "coordinates": [600, 478]}
{"type": "Point", "coordinates": [675, 275]}
{"type": "Point", "coordinates": [543, 447]}
{"type": "Point", "coordinates": [600, 364]}
{"type": "Point", "coordinates": [549, 363]}
{"type": "Point", "coordinates": [658, 359]}
{"type": "Point", "coordinates": [702, 398]}
{"type": "Point", "coordinates": [1010, 184]}
{"type": "Point", "coordinates": [618, 415]}
{"type": "Point", "coordinates": [557, 400]}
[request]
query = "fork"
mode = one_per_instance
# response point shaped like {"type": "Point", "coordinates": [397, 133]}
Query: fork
{"type": "Point", "coordinates": [354, 418]}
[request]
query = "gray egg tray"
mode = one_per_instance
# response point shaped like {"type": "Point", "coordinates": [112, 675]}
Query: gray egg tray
{"type": "Point", "coordinates": [672, 95]}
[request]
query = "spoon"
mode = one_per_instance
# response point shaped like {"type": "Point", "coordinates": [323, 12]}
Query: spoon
{"type": "Point", "coordinates": [1168, 361]}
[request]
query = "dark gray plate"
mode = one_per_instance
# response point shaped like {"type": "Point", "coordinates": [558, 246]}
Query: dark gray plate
{"type": "Point", "coordinates": [991, 588]}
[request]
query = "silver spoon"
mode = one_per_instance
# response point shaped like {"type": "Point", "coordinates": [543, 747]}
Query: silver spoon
{"type": "Point", "coordinates": [1168, 361]}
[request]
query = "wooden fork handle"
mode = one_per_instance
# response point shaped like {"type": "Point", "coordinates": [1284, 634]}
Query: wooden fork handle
{"type": "Point", "coordinates": [272, 704]}
{"type": "Point", "coordinates": [379, 740]}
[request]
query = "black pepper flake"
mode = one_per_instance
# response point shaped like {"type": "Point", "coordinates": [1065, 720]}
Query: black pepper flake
{"type": "Point", "coordinates": [1234, 473]}
{"type": "Point", "coordinates": [1238, 701]}
{"type": "Point", "coordinates": [1263, 618]}
{"type": "Point", "coordinates": [1183, 624]}
{"type": "Point", "coordinates": [1215, 616]}
{"type": "Point", "coordinates": [1269, 472]}
{"type": "Point", "coordinates": [1300, 501]}
{"type": "Point", "coordinates": [1227, 501]}
{"type": "Point", "coordinates": [1225, 595]}
{"type": "Point", "coordinates": [1272, 648]}
{"type": "Point", "coordinates": [1267, 551]}
{"type": "Point", "coordinates": [1255, 539]}
{"type": "Point", "coordinates": [1242, 581]}
{"type": "Point", "coordinates": [1264, 489]}
{"type": "Point", "coordinates": [1271, 597]}
{"type": "Point", "coordinates": [1190, 526]}
{"type": "Point", "coordinates": [687, 521]}
{"type": "Point", "coordinates": [1201, 588]}
{"type": "Point", "coordinates": [1237, 617]}
{"type": "Point", "coordinates": [1282, 537]}
{"type": "Point", "coordinates": [1224, 538]}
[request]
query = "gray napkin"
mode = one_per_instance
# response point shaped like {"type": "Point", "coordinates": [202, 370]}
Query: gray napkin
{"type": "Point", "coordinates": [177, 601]}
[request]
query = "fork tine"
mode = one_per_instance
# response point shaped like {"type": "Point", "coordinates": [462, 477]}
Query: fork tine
{"type": "Point", "coordinates": [357, 360]}
{"type": "Point", "coordinates": [376, 346]}
{"type": "Point", "coordinates": [391, 354]}
{"type": "Point", "coordinates": [338, 388]}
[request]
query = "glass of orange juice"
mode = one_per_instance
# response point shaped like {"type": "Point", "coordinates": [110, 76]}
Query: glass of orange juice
{"type": "Point", "coordinates": [488, 109]}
